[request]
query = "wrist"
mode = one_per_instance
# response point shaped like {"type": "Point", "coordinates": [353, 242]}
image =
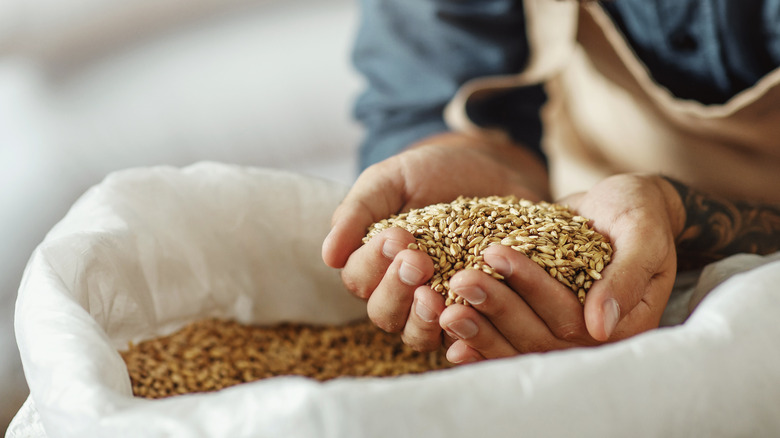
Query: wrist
{"type": "Point", "coordinates": [672, 191]}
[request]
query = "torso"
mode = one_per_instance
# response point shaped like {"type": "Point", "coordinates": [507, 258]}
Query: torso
{"type": "Point", "coordinates": [606, 114]}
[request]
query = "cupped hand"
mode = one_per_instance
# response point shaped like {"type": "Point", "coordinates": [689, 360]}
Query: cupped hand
{"type": "Point", "coordinates": [386, 274]}
{"type": "Point", "coordinates": [532, 312]}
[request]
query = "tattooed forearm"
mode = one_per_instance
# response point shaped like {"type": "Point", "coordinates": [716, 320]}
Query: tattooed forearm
{"type": "Point", "coordinates": [716, 227]}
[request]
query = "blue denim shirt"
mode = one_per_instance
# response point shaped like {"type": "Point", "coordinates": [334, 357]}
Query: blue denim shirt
{"type": "Point", "coordinates": [415, 54]}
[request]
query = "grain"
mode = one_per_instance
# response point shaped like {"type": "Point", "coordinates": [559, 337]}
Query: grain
{"type": "Point", "coordinates": [455, 235]}
{"type": "Point", "coordinates": [212, 354]}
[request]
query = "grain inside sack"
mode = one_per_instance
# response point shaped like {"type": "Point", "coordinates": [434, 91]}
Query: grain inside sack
{"type": "Point", "coordinates": [455, 234]}
{"type": "Point", "coordinates": [212, 354]}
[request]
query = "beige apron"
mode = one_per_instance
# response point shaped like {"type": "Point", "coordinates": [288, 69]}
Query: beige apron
{"type": "Point", "coordinates": [606, 115]}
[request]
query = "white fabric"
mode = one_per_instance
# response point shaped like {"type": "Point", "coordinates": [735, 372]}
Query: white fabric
{"type": "Point", "coordinates": [150, 249]}
{"type": "Point", "coordinates": [88, 87]}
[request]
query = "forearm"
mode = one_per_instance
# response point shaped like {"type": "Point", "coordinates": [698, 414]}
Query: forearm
{"type": "Point", "coordinates": [522, 164]}
{"type": "Point", "coordinates": [415, 55]}
{"type": "Point", "coordinates": [716, 227]}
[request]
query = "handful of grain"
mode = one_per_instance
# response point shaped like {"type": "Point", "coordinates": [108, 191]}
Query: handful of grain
{"type": "Point", "coordinates": [212, 354]}
{"type": "Point", "coordinates": [455, 234]}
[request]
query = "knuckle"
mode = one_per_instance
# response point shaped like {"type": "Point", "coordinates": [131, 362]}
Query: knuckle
{"type": "Point", "coordinates": [571, 332]}
{"type": "Point", "coordinates": [539, 347]}
{"type": "Point", "coordinates": [492, 310]}
{"type": "Point", "coordinates": [354, 287]}
{"type": "Point", "coordinates": [423, 343]}
{"type": "Point", "coordinates": [384, 323]}
{"type": "Point", "coordinates": [385, 320]}
{"type": "Point", "coordinates": [479, 344]}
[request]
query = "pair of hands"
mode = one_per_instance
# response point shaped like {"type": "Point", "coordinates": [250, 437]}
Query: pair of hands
{"type": "Point", "coordinates": [529, 311]}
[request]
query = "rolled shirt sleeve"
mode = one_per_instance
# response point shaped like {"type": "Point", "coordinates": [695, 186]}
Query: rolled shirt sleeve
{"type": "Point", "coordinates": [415, 54]}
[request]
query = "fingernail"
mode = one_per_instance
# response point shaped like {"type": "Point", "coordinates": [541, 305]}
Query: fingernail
{"type": "Point", "coordinates": [392, 247]}
{"type": "Point", "coordinates": [456, 358]}
{"type": "Point", "coordinates": [409, 274]}
{"type": "Point", "coordinates": [463, 328]}
{"type": "Point", "coordinates": [452, 357]}
{"type": "Point", "coordinates": [424, 312]}
{"type": "Point", "coordinates": [473, 294]}
{"type": "Point", "coordinates": [611, 315]}
{"type": "Point", "coordinates": [499, 263]}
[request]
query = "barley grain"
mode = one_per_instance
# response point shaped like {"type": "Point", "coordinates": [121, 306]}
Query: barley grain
{"type": "Point", "coordinates": [549, 234]}
{"type": "Point", "coordinates": [212, 354]}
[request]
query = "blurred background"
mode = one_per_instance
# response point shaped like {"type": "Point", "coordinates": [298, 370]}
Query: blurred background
{"type": "Point", "coordinates": [88, 87]}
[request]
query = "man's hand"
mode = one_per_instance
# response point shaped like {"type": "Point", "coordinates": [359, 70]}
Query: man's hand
{"type": "Point", "coordinates": [384, 272]}
{"type": "Point", "coordinates": [531, 312]}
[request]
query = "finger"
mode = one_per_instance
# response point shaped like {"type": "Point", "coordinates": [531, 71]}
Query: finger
{"type": "Point", "coordinates": [639, 266]}
{"type": "Point", "coordinates": [422, 331]}
{"type": "Point", "coordinates": [374, 196]}
{"type": "Point", "coordinates": [553, 302]}
{"type": "Point", "coordinates": [507, 312]}
{"type": "Point", "coordinates": [368, 264]}
{"type": "Point", "coordinates": [389, 304]}
{"type": "Point", "coordinates": [346, 235]}
{"type": "Point", "coordinates": [447, 340]}
{"type": "Point", "coordinates": [460, 353]}
{"type": "Point", "coordinates": [466, 324]}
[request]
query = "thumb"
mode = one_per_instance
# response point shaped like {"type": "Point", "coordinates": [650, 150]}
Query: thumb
{"type": "Point", "coordinates": [601, 317]}
{"type": "Point", "coordinates": [374, 196]}
{"type": "Point", "coordinates": [620, 290]}
{"type": "Point", "coordinates": [350, 224]}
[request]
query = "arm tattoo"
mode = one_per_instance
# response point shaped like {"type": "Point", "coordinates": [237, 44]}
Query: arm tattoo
{"type": "Point", "coordinates": [716, 227]}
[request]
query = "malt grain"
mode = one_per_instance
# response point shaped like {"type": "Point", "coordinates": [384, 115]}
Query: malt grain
{"type": "Point", "coordinates": [455, 235]}
{"type": "Point", "coordinates": [212, 354]}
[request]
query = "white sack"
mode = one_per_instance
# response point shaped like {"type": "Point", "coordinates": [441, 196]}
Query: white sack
{"type": "Point", "coordinates": [149, 250]}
